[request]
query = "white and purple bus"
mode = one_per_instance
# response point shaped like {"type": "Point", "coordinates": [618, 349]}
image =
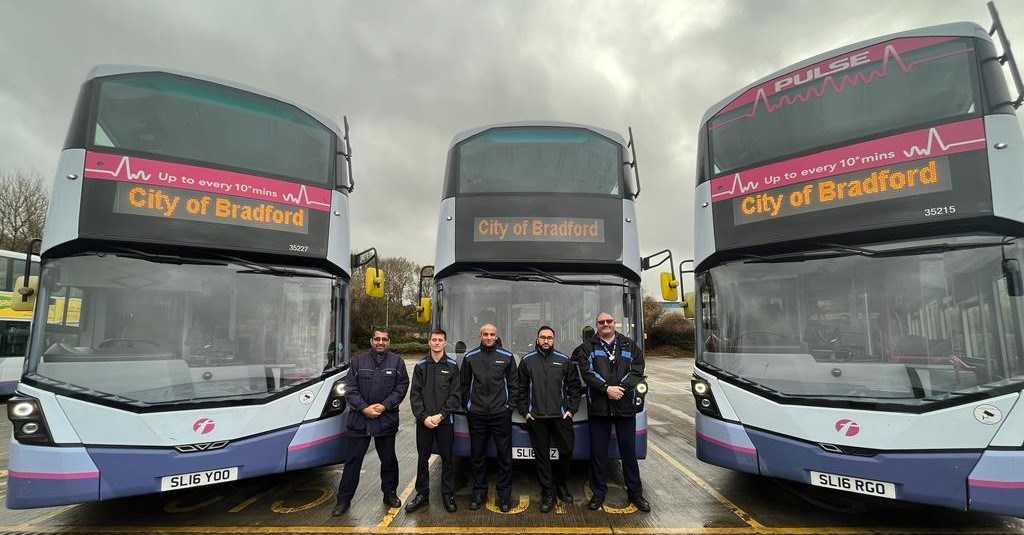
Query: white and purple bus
{"type": "Point", "coordinates": [202, 229]}
{"type": "Point", "coordinates": [860, 304]}
{"type": "Point", "coordinates": [538, 227]}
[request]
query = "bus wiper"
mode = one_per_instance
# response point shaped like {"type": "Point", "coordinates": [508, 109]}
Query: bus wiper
{"type": "Point", "coordinates": [263, 269]}
{"type": "Point", "coordinates": [931, 248]}
{"type": "Point", "coordinates": [164, 258]}
{"type": "Point", "coordinates": [538, 275]}
{"type": "Point", "coordinates": [834, 250]}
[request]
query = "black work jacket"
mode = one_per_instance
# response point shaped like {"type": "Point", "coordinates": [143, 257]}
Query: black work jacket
{"type": "Point", "coordinates": [548, 385]}
{"type": "Point", "coordinates": [599, 372]}
{"type": "Point", "coordinates": [375, 378]}
{"type": "Point", "coordinates": [488, 380]}
{"type": "Point", "coordinates": [435, 388]}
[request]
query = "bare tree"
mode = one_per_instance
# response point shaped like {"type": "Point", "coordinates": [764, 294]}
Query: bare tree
{"type": "Point", "coordinates": [23, 203]}
{"type": "Point", "coordinates": [401, 283]}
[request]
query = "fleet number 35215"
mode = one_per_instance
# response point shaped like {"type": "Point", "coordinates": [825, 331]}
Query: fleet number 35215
{"type": "Point", "coordinates": [939, 210]}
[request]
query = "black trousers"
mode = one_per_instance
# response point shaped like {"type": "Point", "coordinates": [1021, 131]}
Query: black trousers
{"type": "Point", "coordinates": [444, 434]}
{"type": "Point", "coordinates": [481, 429]}
{"type": "Point", "coordinates": [625, 434]}
{"type": "Point", "coordinates": [355, 452]}
{"type": "Point", "coordinates": [544, 431]}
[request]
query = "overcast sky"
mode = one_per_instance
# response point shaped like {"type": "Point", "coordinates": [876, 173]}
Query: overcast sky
{"type": "Point", "coordinates": [409, 75]}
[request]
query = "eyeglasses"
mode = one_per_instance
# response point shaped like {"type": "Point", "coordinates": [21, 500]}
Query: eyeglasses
{"type": "Point", "coordinates": [605, 322]}
{"type": "Point", "coordinates": [380, 339]}
{"type": "Point", "coordinates": [545, 337]}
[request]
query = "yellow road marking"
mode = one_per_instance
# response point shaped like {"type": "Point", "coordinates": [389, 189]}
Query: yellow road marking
{"type": "Point", "coordinates": [326, 493]}
{"type": "Point", "coordinates": [393, 511]}
{"type": "Point", "coordinates": [250, 501]}
{"type": "Point", "coordinates": [708, 488]}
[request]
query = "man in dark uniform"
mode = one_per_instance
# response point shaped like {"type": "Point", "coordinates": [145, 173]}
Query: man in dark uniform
{"type": "Point", "coordinates": [375, 386]}
{"type": "Point", "coordinates": [549, 394]}
{"type": "Point", "coordinates": [488, 390]}
{"type": "Point", "coordinates": [434, 397]}
{"type": "Point", "coordinates": [612, 366]}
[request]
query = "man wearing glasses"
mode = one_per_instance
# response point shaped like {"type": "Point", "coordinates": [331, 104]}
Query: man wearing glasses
{"type": "Point", "coordinates": [612, 366]}
{"type": "Point", "coordinates": [549, 394]}
{"type": "Point", "coordinates": [375, 386]}
{"type": "Point", "coordinates": [488, 392]}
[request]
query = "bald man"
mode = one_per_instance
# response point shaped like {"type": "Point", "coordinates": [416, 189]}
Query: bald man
{"type": "Point", "coordinates": [488, 391]}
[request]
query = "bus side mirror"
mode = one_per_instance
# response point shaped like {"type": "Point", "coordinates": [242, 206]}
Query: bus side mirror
{"type": "Point", "coordinates": [460, 347]}
{"type": "Point", "coordinates": [24, 297]}
{"type": "Point", "coordinates": [374, 282]}
{"type": "Point", "coordinates": [688, 305]}
{"type": "Point", "coordinates": [1014, 280]}
{"type": "Point", "coordinates": [423, 311]}
{"type": "Point", "coordinates": [669, 287]}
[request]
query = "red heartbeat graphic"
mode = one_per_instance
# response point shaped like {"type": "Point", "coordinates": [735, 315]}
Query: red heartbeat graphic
{"type": "Point", "coordinates": [934, 137]}
{"type": "Point", "coordinates": [845, 81]}
{"type": "Point", "coordinates": [302, 199]}
{"type": "Point", "coordinates": [126, 165]}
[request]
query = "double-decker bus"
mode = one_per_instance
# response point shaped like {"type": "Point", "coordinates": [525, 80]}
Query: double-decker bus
{"type": "Point", "coordinates": [202, 229]}
{"type": "Point", "coordinates": [859, 273]}
{"type": "Point", "coordinates": [14, 324]}
{"type": "Point", "coordinates": [538, 227]}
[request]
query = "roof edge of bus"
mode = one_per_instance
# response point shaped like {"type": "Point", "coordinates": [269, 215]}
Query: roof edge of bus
{"type": "Point", "coordinates": [466, 134]}
{"type": "Point", "coordinates": [952, 29]}
{"type": "Point", "coordinates": [103, 70]}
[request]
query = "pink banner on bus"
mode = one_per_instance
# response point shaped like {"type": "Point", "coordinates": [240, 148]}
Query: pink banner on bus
{"type": "Point", "coordinates": [122, 168]}
{"type": "Point", "coordinates": [949, 138]}
{"type": "Point", "coordinates": [829, 75]}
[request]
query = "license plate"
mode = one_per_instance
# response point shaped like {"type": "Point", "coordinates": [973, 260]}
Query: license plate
{"type": "Point", "coordinates": [198, 479]}
{"type": "Point", "coordinates": [870, 487]}
{"type": "Point", "coordinates": [527, 453]}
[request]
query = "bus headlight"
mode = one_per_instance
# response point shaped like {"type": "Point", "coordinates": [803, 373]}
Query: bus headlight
{"type": "Point", "coordinates": [641, 388]}
{"type": "Point", "coordinates": [704, 397]}
{"type": "Point", "coordinates": [22, 410]}
{"type": "Point", "coordinates": [29, 421]}
{"type": "Point", "coordinates": [336, 401]}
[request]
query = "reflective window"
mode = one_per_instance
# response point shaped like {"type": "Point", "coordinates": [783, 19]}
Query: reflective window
{"type": "Point", "coordinates": [920, 86]}
{"type": "Point", "coordinates": [550, 159]}
{"type": "Point", "coordinates": [519, 308]}
{"type": "Point", "coordinates": [167, 115]}
{"type": "Point", "coordinates": [903, 327]}
{"type": "Point", "coordinates": [155, 333]}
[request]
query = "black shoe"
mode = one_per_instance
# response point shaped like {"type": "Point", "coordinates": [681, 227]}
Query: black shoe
{"type": "Point", "coordinates": [340, 509]}
{"type": "Point", "coordinates": [391, 500]}
{"type": "Point", "coordinates": [547, 503]}
{"type": "Point", "coordinates": [506, 505]}
{"type": "Point", "coordinates": [641, 503]}
{"type": "Point", "coordinates": [416, 502]}
{"type": "Point", "coordinates": [563, 494]}
{"type": "Point", "coordinates": [477, 501]}
{"type": "Point", "coordinates": [595, 503]}
{"type": "Point", "coordinates": [449, 503]}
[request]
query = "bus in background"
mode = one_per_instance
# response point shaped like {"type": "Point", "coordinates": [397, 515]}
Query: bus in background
{"type": "Point", "coordinates": [14, 324]}
{"type": "Point", "coordinates": [537, 227]}
{"type": "Point", "coordinates": [203, 230]}
{"type": "Point", "coordinates": [859, 218]}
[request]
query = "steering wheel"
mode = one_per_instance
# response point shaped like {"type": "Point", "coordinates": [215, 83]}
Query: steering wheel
{"type": "Point", "coordinates": [125, 342]}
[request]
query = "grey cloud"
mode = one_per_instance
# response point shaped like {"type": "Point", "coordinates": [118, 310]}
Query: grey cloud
{"type": "Point", "coordinates": [409, 75]}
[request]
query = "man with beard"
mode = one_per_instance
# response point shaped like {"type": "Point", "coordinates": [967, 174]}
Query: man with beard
{"type": "Point", "coordinates": [549, 394]}
{"type": "Point", "coordinates": [375, 386]}
{"type": "Point", "coordinates": [612, 366]}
